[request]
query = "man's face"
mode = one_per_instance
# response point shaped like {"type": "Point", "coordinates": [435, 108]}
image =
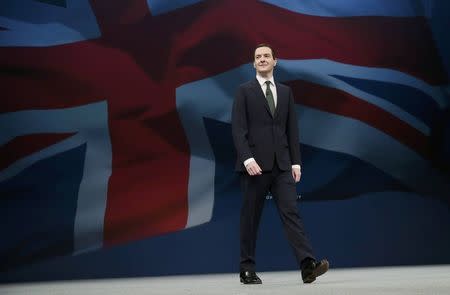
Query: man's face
{"type": "Point", "coordinates": [264, 61]}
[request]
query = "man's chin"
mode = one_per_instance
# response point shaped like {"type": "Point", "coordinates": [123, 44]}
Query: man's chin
{"type": "Point", "coordinates": [264, 71]}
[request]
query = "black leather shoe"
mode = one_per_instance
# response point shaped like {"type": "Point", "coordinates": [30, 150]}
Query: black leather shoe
{"type": "Point", "coordinates": [312, 269]}
{"type": "Point", "coordinates": [249, 277]}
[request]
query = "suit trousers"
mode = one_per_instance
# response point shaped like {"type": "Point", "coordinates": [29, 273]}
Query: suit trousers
{"type": "Point", "coordinates": [255, 188]}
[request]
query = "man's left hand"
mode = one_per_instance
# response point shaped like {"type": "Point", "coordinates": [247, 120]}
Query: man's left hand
{"type": "Point", "coordinates": [296, 174]}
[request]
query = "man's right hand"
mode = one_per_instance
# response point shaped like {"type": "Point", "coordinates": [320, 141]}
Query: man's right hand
{"type": "Point", "coordinates": [253, 168]}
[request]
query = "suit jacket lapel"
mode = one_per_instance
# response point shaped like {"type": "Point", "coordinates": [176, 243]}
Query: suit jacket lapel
{"type": "Point", "coordinates": [259, 93]}
{"type": "Point", "coordinates": [280, 97]}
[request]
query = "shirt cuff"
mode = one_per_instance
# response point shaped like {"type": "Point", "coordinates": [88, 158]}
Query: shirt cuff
{"type": "Point", "coordinates": [297, 166]}
{"type": "Point", "coordinates": [248, 161]}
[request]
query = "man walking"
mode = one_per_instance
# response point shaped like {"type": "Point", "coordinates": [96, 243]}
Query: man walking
{"type": "Point", "coordinates": [265, 135]}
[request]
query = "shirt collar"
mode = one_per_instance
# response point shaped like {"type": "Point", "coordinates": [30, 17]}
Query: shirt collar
{"type": "Point", "coordinates": [262, 80]}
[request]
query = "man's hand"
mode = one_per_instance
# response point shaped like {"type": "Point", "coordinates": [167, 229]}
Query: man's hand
{"type": "Point", "coordinates": [296, 174]}
{"type": "Point", "coordinates": [253, 168]}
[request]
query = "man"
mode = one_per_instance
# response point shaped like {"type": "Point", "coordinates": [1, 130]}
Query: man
{"type": "Point", "coordinates": [265, 135]}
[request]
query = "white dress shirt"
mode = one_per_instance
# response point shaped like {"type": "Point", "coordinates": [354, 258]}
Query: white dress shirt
{"type": "Point", "coordinates": [273, 88]}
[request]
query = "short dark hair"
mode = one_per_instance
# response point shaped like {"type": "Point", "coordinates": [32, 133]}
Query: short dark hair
{"type": "Point", "coordinates": [264, 45]}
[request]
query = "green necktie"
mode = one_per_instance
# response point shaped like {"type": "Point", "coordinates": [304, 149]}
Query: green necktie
{"type": "Point", "coordinates": [269, 97]}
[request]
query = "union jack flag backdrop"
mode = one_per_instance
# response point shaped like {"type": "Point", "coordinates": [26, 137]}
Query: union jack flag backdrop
{"type": "Point", "coordinates": [115, 115]}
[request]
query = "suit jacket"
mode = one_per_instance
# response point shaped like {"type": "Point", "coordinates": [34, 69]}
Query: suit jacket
{"type": "Point", "coordinates": [258, 134]}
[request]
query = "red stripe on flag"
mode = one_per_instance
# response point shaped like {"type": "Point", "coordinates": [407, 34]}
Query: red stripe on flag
{"type": "Point", "coordinates": [219, 40]}
{"type": "Point", "coordinates": [148, 188]}
{"type": "Point", "coordinates": [341, 103]}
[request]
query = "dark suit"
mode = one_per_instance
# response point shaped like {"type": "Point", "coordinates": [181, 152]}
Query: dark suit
{"type": "Point", "coordinates": [273, 142]}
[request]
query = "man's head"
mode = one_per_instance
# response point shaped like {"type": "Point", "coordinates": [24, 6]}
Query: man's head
{"type": "Point", "coordinates": [264, 60]}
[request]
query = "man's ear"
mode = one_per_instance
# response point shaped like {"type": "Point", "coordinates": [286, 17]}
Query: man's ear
{"type": "Point", "coordinates": [254, 65]}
